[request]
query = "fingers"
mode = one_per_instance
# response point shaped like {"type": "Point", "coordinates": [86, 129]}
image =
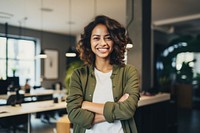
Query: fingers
{"type": "Point", "coordinates": [124, 97]}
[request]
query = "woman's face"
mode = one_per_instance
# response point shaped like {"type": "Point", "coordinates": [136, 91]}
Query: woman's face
{"type": "Point", "coordinates": [101, 42]}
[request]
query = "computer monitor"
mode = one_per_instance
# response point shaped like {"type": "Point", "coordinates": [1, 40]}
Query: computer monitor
{"type": "Point", "coordinates": [4, 86]}
{"type": "Point", "coordinates": [14, 81]}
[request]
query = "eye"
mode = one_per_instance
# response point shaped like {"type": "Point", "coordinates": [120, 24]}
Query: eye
{"type": "Point", "coordinates": [108, 38]}
{"type": "Point", "coordinates": [95, 38]}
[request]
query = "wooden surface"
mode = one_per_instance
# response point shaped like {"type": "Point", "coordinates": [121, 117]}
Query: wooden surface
{"type": "Point", "coordinates": [63, 125]}
{"type": "Point", "coordinates": [147, 100]}
{"type": "Point", "coordinates": [28, 108]}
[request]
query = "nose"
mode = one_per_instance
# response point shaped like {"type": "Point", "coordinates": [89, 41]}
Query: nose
{"type": "Point", "coordinates": [103, 42]}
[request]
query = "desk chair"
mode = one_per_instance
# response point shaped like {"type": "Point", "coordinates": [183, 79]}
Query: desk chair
{"type": "Point", "coordinates": [15, 99]}
{"type": "Point", "coordinates": [18, 122]}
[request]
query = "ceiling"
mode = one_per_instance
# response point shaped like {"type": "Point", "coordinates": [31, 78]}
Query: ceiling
{"type": "Point", "coordinates": [176, 16]}
{"type": "Point", "coordinates": [70, 16]}
{"type": "Point", "coordinates": [59, 16]}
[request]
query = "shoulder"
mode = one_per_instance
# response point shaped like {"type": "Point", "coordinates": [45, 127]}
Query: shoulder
{"type": "Point", "coordinates": [82, 70]}
{"type": "Point", "coordinates": [128, 68]}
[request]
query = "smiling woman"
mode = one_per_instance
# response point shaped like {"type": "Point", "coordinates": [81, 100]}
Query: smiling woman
{"type": "Point", "coordinates": [104, 93]}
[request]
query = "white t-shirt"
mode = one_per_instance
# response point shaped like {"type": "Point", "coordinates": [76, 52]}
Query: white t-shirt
{"type": "Point", "coordinates": [103, 93]}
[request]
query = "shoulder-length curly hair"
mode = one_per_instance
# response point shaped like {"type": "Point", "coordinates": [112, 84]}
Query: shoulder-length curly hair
{"type": "Point", "coordinates": [118, 35]}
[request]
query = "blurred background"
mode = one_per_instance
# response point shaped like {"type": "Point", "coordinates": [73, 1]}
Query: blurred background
{"type": "Point", "coordinates": [165, 49]}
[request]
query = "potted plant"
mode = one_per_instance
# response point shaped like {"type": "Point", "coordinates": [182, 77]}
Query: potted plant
{"type": "Point", "coordinates": [71, 67]}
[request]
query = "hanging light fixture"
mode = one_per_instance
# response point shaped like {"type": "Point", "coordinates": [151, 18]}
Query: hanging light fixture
{"type": "Point", "coordinates": [129, 45]}
{"type": "Point", "coordinates": [71, 52]}
{"type": "Point", "coordinates": [42, 54]}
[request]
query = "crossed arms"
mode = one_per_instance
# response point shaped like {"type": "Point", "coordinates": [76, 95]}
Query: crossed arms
{"type": "Point", "coordinates": [97, 108]}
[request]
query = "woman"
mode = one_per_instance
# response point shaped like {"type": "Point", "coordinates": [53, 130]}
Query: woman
{"type": "Point", "coordinates": [104, 93]}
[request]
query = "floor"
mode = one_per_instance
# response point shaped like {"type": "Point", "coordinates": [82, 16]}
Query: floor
{"type": "Point", "coordinates": [188, 122]}
{"type": "Point", "coordinates": [43, 127]}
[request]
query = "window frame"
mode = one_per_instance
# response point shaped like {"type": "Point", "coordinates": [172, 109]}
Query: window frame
{"type": "Point", "coordinates": [7, 37]}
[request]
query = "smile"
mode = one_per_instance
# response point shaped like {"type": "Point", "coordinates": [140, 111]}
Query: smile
{"type": "Point", "coordinates": [103, 49]}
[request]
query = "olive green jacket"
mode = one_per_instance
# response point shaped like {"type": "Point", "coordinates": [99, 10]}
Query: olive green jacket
{"type": "Point", "coordinates": [124, 80]}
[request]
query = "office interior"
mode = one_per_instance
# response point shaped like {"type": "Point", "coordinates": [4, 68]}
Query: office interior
{"type": "Point", "coordinates": [165, 37]}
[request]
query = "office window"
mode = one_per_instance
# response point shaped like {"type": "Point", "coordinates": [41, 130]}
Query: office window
{"type": "Point", "coordinates": [19, 60]}
{"type": "Point", "coordinates": [2, 57]}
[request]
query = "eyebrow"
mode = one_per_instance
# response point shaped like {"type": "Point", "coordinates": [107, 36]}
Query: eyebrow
{"type": "Point", "coordinates": [100, 35]}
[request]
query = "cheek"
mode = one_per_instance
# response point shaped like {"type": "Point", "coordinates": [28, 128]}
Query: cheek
{"type": "Point", "coordinates": [92, 46]}
{"type": "Point", "coordinates": [112, 46]}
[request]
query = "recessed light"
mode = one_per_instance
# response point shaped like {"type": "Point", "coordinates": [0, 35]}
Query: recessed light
{"type": "Point", "coordinates": [6, 15]}
{"type": "Point", "coordinates": [45, 9]}
{"type": "Point", "coordinates": [70, 22]}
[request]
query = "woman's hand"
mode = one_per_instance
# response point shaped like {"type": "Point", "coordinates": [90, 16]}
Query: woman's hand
{"type": "Point", "coordinates": [124, 97]}
{"type": "Point", "coordinates": [93, 107]}
{"type": "Point", "coordinates": [98, 118]}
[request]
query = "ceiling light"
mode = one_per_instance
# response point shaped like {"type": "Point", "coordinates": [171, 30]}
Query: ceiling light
{"type": "Point", "coordinates": [129, 46]}
{"type": "Point", "coordinates": [70, 54]}
{"type": "Point", "coordinates": [46, 9]}
{"type": "Point", "coordinates": [42, 55]}
{"type": "Point", "coordinates": [71, 51]}
{"type": "Point", "coordinates": [6, 15]}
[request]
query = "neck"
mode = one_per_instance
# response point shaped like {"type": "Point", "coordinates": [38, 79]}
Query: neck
{"type": "Point", "coordinates": [103, 65]}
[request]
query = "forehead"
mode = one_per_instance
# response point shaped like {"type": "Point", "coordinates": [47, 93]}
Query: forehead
{"type": "Point", "coordinates": [100, 29]}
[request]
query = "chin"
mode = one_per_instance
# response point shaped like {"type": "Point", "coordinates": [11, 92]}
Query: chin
{"type": "Point", "coordinates": [103, 56]}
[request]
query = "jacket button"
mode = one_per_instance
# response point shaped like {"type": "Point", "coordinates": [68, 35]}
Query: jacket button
{"type": "Point", "coordinates": [116, 98]}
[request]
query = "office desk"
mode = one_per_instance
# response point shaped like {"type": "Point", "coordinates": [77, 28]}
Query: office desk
{"type": "Point", "coordinates": [40, 94]}
{"type": "Point", "coordinates": [34, 107]}
{"type": "Point", "coordinates": [36, 92]}
{"type": "Point", "coordinates": [34, 95]}
{"type": "Point", "coordinates": [147, 100]}
{"type": "Point", "coordinates": [28, 108]}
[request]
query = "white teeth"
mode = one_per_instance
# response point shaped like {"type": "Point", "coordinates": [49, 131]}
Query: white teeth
{"type": "Point", "coordinates": [102, 49]}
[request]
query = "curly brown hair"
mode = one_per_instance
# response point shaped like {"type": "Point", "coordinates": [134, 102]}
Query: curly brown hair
{"type": "Point", "coordinates": [118, 35]}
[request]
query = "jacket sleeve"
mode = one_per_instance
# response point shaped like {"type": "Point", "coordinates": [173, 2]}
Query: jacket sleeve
{"type": "Point", "coordinates": [76, 114]}
{"type": "Point", "coordinates": [126, 109]}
